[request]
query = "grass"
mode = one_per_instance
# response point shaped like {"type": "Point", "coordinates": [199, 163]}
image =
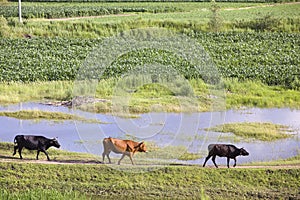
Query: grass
{"type": "Point", "coordinates": [187, 18]}
{"type": "Point", "coordinates": [39, 115]}
{"type": "Point", "coordinates": [78, 181]}
{"type": "Point", "coordinates": [289, 161]}
{"type": "Point", "coordinates": [155, 98]}
{"type": "Point", "coordinates": [26, 179]}
{"type": "Point", "coordinates": [41, 194]}
{"type": "Point", "coordinates": [255, 94]}
{"type": "Point", "coordinates": [255, 130]}
{"type": "Point", "coordinates": [15, 92]}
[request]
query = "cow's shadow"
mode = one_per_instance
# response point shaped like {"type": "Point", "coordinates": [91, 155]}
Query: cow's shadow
{"type": "Point", "coordinates": [77, 161]}
{"type": "Point", "coordinates": [5, 157]}
{"type": "Point", "coordinates": [9, 157]}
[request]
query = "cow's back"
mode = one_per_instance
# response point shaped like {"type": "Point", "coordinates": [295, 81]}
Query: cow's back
{"type": "Point", "coordinates": [227, 150]}
{"type": "Point", "coordinates": [115, 145]}
{"type": "Point", "coordinates": [218, 149]}
{"type": "Point", "coordinates": [30, 142]}
{"type": "Point", "coordinates": [210, 147]}
{"type": "Point", "coordinates": [118, 145]}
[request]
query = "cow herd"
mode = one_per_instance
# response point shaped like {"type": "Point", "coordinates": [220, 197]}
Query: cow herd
{"type": "Point", "coordinates": [124, 147]}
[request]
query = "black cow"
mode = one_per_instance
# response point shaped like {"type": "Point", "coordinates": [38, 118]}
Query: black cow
{"type": "Point", "coordinates": [31, 142]}
{"type": "Point", "coordinates": [224, 150]}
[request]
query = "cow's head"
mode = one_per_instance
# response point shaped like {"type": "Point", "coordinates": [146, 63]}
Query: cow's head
{"type": "Point", "coordinates": [54, 142]}
{"type": "Point", "coordinates": [141, 147]}
{"type": "Point", "coordinates": [243, 152]}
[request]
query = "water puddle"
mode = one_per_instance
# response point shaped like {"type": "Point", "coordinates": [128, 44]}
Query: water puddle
{"type": "Point", "coordinates": [163, 129]}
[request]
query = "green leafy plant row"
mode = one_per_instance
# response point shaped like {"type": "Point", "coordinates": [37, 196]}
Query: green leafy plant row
{"type": "Point", "coordinates": [271, 58]}
{"type": "Point", "coordinates": [49, 12]}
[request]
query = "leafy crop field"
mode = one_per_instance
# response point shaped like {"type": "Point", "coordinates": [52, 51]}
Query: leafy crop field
{"type": "Point", "coordinates": [271, 58]}
{"type": "Point", "coordinates": [79, 10]}
{"type": "Point", "coordinates": [229, 11]}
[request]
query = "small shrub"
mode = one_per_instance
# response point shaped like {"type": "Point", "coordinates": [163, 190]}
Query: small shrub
{"type": "Point", "coordinates": [215, 22]}
{"type": "Point", "coordinates": [4, 28]}
{"type": "Point", "coordinates": [295, 84]}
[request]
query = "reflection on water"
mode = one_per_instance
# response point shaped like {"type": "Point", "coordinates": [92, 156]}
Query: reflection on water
{"type": "Point", "coordinates": [164, 129]}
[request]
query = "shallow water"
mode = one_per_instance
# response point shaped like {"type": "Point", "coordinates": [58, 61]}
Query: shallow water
{"type": "Point", "coordinates": [164, 129]}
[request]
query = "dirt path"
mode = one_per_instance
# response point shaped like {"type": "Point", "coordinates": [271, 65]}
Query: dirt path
{"type": "Point", "coordinates": [89, 162]}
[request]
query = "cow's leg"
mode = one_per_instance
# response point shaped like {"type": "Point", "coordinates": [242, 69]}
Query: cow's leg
{"type": "Point", "coordinates": [103, 156]}
{"type": "Point", "coordinates": [130, 156]}
{"type": "Point", "coordinates": [107, 155]}
{"type": "Point", "coordinates": [234, 162]}
{"type": "Point", "coordinates": [45, 152]}
{"type": "Point", "coordinates": [37, 154]}
{"type": "Point", "coordinates": [108, 158]}
{"type": "Point", "coordinates": [206, 159]}
{"type": "Point", "coordinates": [121, 159]}
{"type": "Point", "coordinates": [228, 160]}
{"type": "Point", "coordinates": [20, 152]}
{"type": "Point", "coordinates": [15, 150]}
{"type": "Point", "coordinates": [214, 160]}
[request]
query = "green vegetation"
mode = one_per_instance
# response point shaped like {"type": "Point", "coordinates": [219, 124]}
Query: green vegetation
{"type": "Point", "coordinates": [79, 10]}
{"type": "Point", "coordinates": [39, 115]}
{"type": "Point", "coordinates": [154, 97]}
{"type": "Point", "coordinates": [256, 94]}
{"type": "Point", "coordinates": [245, 56]}
{"type": "Point", "coordinates": [255, 46]}
{"type": "Point", "coordinates": [255, 130]}
{"type": "Point", "coordinates": [15, 92]}
{"type": "Point", "coordinates": [281, 162]}
{"type": "Point", "coordinates": [30, 180]}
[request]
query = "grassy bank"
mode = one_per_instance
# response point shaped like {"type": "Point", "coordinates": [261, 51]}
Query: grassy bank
{"type": "Point", "coordinates": [255, 130]}
{"type": "Point", "coordinates": [81, 176]}
{"type": "Point", "coordinates": [46, 115]}
{"type": "Point", "coordinates": [157, 98]}
{"type": "Point", "coordinates": [78, 181]}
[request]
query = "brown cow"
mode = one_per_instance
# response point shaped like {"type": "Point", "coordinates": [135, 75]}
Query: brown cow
{"type": "Point", "coordinates": [125, 147]}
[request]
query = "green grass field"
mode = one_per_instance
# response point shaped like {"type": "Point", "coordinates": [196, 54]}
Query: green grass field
{"type": "Point", "coordinates": [78, 176]}
{"type": "Point", "coordinates": [254, 45]}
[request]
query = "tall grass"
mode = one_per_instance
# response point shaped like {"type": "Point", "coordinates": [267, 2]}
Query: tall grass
{"type": "Point", "coordinates": [15, 92]}
{"type": "Point", "coordinates": [256, 94]}
{"type": "Point", "coordinates": [237, 94]}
